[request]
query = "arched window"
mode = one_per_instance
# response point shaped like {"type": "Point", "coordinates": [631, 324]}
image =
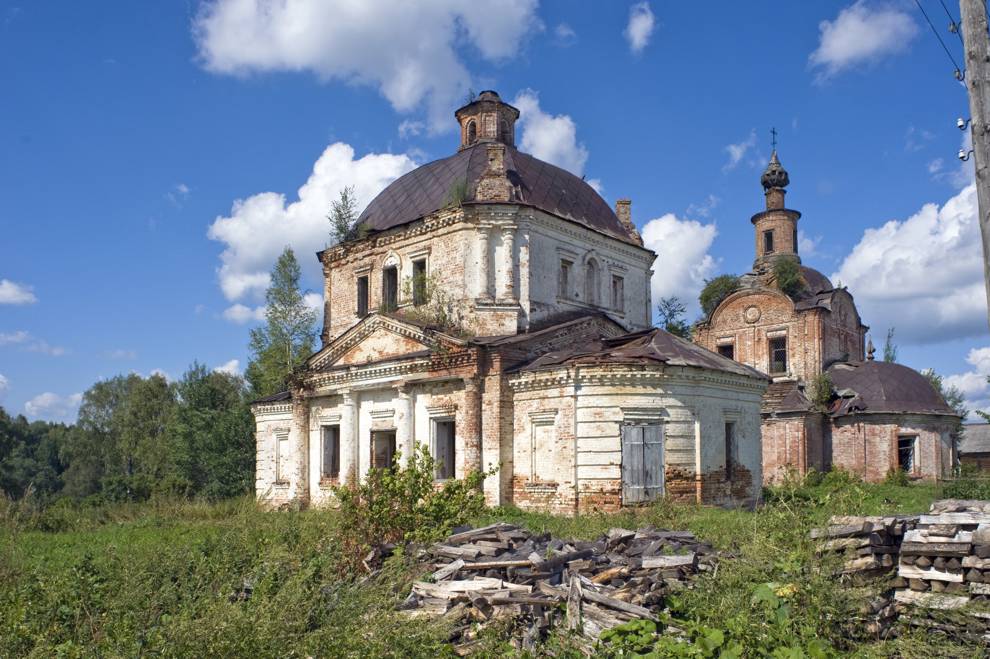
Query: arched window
{"type": "Point", "coordinates": [506, 132]}
{"type": "Point", "coordinates": [472, 132]}
{"type": "Point", "coordinates": [591, 282]}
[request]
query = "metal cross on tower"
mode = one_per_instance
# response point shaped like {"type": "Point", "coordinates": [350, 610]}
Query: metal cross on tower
{"type": "Point", "coordinates": [773, 138]}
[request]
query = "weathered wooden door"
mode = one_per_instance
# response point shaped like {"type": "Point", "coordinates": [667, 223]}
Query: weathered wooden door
{"type": "Point", "coordinates": [642, 463]}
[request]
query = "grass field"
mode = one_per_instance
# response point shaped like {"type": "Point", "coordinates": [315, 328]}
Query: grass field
{"type": "Point", "coordinates": [169, 579]}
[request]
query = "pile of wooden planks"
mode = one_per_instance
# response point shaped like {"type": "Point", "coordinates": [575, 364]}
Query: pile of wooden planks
{"type": "Point", "coordinates": [534, 582]}
{"type": "Point", "coordinates": [868, 546]}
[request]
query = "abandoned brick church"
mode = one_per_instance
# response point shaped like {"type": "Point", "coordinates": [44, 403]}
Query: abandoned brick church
{"type": "Point", "coordinates": [497, 312]}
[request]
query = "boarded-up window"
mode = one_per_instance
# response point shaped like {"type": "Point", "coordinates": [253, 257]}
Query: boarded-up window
{"type": "Point", "coordinates": [282, 456]}
{"type": "Point", "coordinates": [642, 463]}
{"type": "Point", "coordinates": [727, 350]}
{"type": "Point", "coordinates": [362, 296]}
{"type": "Point", "coordinates": [541, 453]}
{"type": "Point", "coordinates": [778, 355]}
{"type": "Point", "coordinates": [906, 453]}
{"type": "Point", "coordinates": [618, 293]}
{"type": "Point", "coordinates": [443, 448]}
{"type": "Point", "coordinates": [591, 283]}
{"type": "Point", "coordinates": [768, 242]}
{"type": "Point", "coordinates": [419, 282]}
{"type": "Point", "coordinates": [564, 278]}
{"type": "Point", "coordinates": [731, 455]}
{"type": "Point", "coordinates": [390, 288]}
{"type": "Point", "coordinates": [331, 452]}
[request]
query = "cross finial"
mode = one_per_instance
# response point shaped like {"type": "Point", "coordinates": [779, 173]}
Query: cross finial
{"type": "Point", "coordinates": [773, 138]}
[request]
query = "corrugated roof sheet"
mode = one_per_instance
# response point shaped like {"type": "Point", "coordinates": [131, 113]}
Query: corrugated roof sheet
{"type": "Point", "coordinates": [535, 183]}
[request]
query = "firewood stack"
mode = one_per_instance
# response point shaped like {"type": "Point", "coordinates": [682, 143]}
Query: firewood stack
{"type": "Point", "coordinates": [867, 549]}
{"type": "Point", "coordinates": [945, 566]}
{"type": "Point", "coordinates": [503, 572]}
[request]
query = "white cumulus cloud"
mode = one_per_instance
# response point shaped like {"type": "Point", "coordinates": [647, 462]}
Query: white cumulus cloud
{"type": "Point", "coordinates": [233, 367]}
{"type": "Point", "coordinates": [241, 313]}
{"type": "Point", "coordinates": [683, 262]}
{"type": "Point", "coordinates": [13, 293]}
{"type": "Point", "coordinates": [549, 137]}
{"type": "Point", "coordinates": [639, 29]}
{"type": "Point", "coordinates": [412, 52]}
{"type": "Point", "coordinates": [861, 34]}
{"type": "Point", "coordinates": [53, 407]}
{"type": "Point", "coordinates": [30, 343]}
{"type": "Point", "coordinates": [261, 226]}
{"type": "Point", "coordinates": [4, 385]}
{"type": "Point", "coordinates": [922, 275]}
{"type": "Point", "coordinates": [739, 150]}
{"type": "Point", "coordinates": [973, 383]}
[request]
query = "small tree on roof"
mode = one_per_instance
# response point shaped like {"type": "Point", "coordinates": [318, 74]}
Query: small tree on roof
{"type": "Point", "coordinates": [344, 218]}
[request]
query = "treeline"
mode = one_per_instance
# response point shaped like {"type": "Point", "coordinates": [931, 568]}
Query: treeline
{"type": "Point", "coordinates": [136, 437]}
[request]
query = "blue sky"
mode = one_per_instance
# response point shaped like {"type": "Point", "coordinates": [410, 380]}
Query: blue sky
{"type": "Point", "coordinates": [152, 156]}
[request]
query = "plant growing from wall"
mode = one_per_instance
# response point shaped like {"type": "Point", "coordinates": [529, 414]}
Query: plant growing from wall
{"type": "Point", "coordinates": [820, 392]}
{"type": "Point", "coordinates": [716, 290]}
{"type": "Point", "coordinates": [457, 194]}
{"type": "Point", "coordinates": [438, 308]}
{"type": "Point", "coordinates": [787, 274]}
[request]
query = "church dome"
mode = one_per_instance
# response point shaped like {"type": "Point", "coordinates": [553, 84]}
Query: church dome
{"type": "Point", "coordinates": [817, 282]}
{"type": "Point", "coordinates": [454, 179]}
{"type": "Point", "coordinates": [883, 387]}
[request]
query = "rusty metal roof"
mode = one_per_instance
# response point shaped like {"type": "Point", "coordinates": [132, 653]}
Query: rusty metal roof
{"type": "Point", "coordinates": [535, 183]}
{"type": "Point", "coordinates": [873, 387]}
{"type": "Point", "coordinates": [648, 346]}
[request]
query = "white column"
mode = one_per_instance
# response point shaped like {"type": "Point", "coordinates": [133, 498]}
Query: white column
{"type": "Point", "coordinates": [348, 439]}
{"type": "Point", "coordinates": [299, 439]}
{"type": "Point", "coordinates": [484, 268]}
{"type": "Point", "coordinates": [404, 433]}
{"type": "Point", "coordinates": [506, 284]}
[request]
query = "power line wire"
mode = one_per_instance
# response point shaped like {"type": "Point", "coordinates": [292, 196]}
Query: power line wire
{"type": "Point", "coordinates": [953, 23]}
{"type": "Point", "coordinates": [952, 59]}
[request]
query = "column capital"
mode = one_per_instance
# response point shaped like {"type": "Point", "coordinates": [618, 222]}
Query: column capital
{"type": "Point", "coordinates": [347, 396]}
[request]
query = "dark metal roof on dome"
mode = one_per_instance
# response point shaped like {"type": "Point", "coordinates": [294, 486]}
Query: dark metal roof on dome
{"type": "Point", "coordinates": [648, 346]}
{"type": "Point", "coordinates": [535, 183]}
{"type": "Point", "coordinates": [873, 387]}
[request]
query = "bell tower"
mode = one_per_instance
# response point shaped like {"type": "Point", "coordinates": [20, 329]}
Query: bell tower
{"type": "Point", "coordinates": [776, 227]}
{"type": "Point", "coordinates": [487, 119]}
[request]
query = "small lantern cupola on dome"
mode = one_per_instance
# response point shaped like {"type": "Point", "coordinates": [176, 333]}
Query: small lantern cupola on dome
{"type": "Point", "coordinates": [776, 227]}
{"type": "Point", "coordinates": [775, 176]}
{"type": "Point", "coordinates": [487, 118]}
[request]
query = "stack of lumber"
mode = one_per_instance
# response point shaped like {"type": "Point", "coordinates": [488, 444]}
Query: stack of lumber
{"type": "Point", "coordinates": [534, 582]}
{"type": "Point", "coordinates": [945, 566]}
{"type": "Point", "coordinates": [867, 546]}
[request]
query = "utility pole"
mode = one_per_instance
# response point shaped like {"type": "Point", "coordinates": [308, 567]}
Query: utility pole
{"type": "Point", "coordinates": [977, 46]}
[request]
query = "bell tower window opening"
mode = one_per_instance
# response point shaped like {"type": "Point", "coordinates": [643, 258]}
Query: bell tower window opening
{"type": "Point", "coordinates": [472, 131]}
{"type": "Point", "coordinates": [768, 242]}
{"type": "Point", "coordinates": [795, 240]}
{"type": "Point", "coordinates": [390, 288]}
{"type": "Point", "coordinates": [778, 355]}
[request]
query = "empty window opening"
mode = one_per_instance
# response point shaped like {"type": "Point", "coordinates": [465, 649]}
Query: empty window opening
{"type": "Point", "coordinates": [282, 457]}
{"type": "Point", "coordinates": [778, 355]}
{"type": "Point", "coordinates": [906, 453]}
{"type": "Point", "coordinates": [727, 350]}
{"type": "Point", "coordinates": [795, 240]}
{"type": "Point", "coordinates": [564, 278]}
{"type": "Point", "coordinates": [591, 283]}
{"type": "Point", "coordinates": [419, 282]}
{"type": "Point", "coordinates": [443, 448]}
{"type": "Point", "coordinates": [731, 457]}
{"type": "Point", "coordinates": [390, 288]}
{"type": "Point", "coordinates": [362, 296]}
{"type": "Point", "coordinates": [472, 132]}
{"type": "Point", "coordinates": [768, 242]}
{"type": "Point", "coordinates": [383, 449]}
{"type": "Point", "coordinates": [618, 293]}
{"type": "Point", "coordinates": [331, 452]}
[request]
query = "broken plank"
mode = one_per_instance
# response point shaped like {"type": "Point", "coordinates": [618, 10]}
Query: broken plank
{"type": "Point", "coordinates": [931, 600]}
{"type": "Point", "coordinates": [677, 560]}
{"type": "Point", "coordinates": [496, 565]}
{"type": "Point", "coordinates": [912, 572]}
{"type": "Point", "coordinates": [448, 570]}
{"type": "Point", "coordinates": [619, 605]}
{"type": "Point", "coordinates": [574, 604]}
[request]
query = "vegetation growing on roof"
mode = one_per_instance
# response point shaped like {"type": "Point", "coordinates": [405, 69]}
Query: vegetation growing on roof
{"type": "Point", "coordinates": [787, 274]}
{"type": "Point", "coordinates": [671, 311]}
{"type": "Point", "coordinates": [716, 290]}
{"type": "Point", "coordinates": [820, 391]}
{"type": "Point", "coordinates": [343, 218]}
{"type": "Point", "coordinates": [457, 194]}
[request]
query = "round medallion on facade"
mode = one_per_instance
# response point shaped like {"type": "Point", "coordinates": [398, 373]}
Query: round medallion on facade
{"type": "Point", "coordinates": [752, 314]}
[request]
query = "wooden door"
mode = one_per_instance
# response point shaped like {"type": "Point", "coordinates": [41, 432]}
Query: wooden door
{"type": "Point", "coordinates": [642, 463]}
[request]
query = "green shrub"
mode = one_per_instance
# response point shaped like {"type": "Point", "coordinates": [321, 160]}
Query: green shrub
{"type": "Point", "coordinates": [820, 392]}
{"type": "Point", "coordinates": [897, 477]}
{"type": "Point", "coordinates": [715, 291]}
{"type": "Point", "coordinates": [971, 484]}
{"type": "Point", "coordinates": [787, 273]}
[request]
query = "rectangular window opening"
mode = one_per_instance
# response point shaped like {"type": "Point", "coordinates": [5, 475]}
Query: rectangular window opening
{"type": "Point", "coordinates": [419, 282]}
{"type": "Point", "coordinates": [281, 457]}
{"type": "Point", "coordinates": [564, 278]}
{"type": "Point", "coordinates": [795, 241]}
{"type": "Point", "coordinates": [383, 449]}
{"type": "Point", "coordinates": [906, 453]}
{"type": "Point", "coordinates": [331, 452]}
{"type": "Point", "coordinates": [362, 296]}
{"type": "Point", "coordinates": [730, 449]}
{"type": "Point", "coordinates": [727, 350]}
{"type": "Point", "coordinates": [768, 242]}
{"type": "Point", "coordinates": [618, 293]}
{"type": "Point", "coordinates": [778, 355]}
{"type": "Point", "coordinates": [390, 288]}
{"type": "Point", "coordinates": [443, 448]}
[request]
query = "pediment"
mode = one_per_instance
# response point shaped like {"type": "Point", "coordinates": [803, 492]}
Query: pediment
{"type": "Point", "coordinates": [375, 339]}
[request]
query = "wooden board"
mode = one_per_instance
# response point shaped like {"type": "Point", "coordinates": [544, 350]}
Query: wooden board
{"type": "Point", "coordinates": [912, 572]}
{"type": "Point", "coordinates": [931, 600]}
